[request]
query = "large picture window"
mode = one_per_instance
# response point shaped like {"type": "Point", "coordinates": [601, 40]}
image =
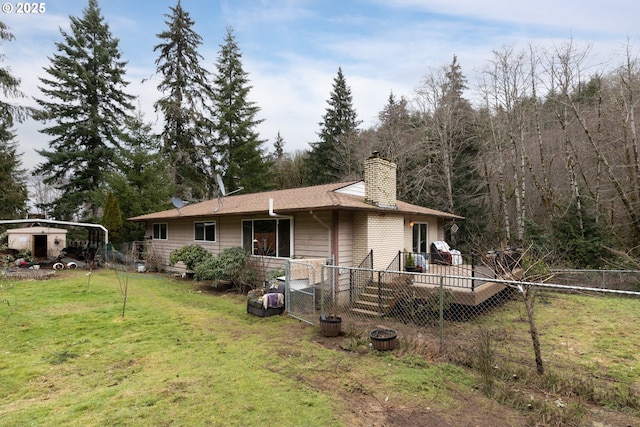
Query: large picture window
{"type": "Point", "coordinates": [268, 237]}
{"type": "Point", "coordinates": [160, 231]}
{"type": "Point", "coordinates": [205, 231]}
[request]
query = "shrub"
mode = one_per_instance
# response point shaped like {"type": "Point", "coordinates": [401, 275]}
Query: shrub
{"type": "Point", "coordinates": [190, 255]}
{"type": "Point", "coordinates": [233, 264]}
{"type": "Point", "coordinates": [152, 260]}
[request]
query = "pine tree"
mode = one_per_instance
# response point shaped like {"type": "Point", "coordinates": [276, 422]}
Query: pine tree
{"type": "Point", "coordinates": [185, 89]}
{"type": "Point", "coordinates": [112, 218]}
{"type": "Point", "coordinates": [142, 182]}
{"type": "Point", "coordinates": [457, 149]}
{"type": "Point", "coordinates": [85, 99]}
{"type": "Point", "coordinates": [335, 156]}
{"type": "Point", "coordinates": [13, 189]}
{"type": "Point", "coordinates": [278, 147]}
{"type": "Point", "coordinates": [399, 140]}
{"type": "Point", "coordinates": [237, 144]}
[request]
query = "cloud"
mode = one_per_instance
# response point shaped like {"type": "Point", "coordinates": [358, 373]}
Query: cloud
{"type": "Point", "coordinates": [292, 49]}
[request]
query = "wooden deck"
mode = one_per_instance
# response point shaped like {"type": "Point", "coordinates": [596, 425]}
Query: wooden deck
{"type": "Point", "coordinates": [464, 283]}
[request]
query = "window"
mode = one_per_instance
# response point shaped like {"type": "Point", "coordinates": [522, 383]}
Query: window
{"type": "Point", "coordinates": [160, 231]}
{"type": "Point", "coordinates": [205, 231]}
{"type": "Point", "coordinates": [420, 237]}
{"type": "Point", "coordinates": [269, 237]}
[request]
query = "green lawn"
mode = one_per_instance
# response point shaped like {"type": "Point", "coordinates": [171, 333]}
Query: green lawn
{"type": "Point", "coordinates": [180, 356]}
{"type": "Point", "coordinates": [184, 355]}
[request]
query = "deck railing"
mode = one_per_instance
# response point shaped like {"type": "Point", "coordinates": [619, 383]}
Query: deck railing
{"type": "Point", "coordinates": [464, 270]}
{"type": "Point", "coordinates": [360, 277]}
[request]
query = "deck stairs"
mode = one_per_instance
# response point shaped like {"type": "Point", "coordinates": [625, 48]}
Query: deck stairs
{"type": "Point", "coordinates": [374, 300]}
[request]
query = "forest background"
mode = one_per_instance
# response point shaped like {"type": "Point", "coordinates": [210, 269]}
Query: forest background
{"type": "Point", "coordinates": [544, 153]}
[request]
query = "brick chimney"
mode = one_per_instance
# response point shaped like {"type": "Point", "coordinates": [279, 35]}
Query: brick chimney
{"type": "Point", "coordinates": [380, 182]}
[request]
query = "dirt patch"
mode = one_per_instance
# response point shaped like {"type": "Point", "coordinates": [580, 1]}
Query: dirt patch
{"type": "Point", "coordinates": [368, 409]}
{"type": "Point", "coordinates": [472, 408]}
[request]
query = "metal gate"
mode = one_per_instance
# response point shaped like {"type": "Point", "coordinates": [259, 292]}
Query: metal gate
{"type": "Point", "coordinates": [304, 285]}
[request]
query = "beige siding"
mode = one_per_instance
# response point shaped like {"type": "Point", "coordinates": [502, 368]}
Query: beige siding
{"type": "Point", "coordinates": [229, 232]}
{"type": "Point", "coordinates": [345, 238]}
{"type": "Point", "coordinates": [22, 239]}
{"type": "Point", "coordinates": [180, 233]}
{"type": "Point", "coordinates": [433, 231]}
{"type": "Point", "coordinates": [357, 234]}
{"type": "Point", "coordinates": [360, 238]}
{"type": "Point", "coordinates": [312, 235]}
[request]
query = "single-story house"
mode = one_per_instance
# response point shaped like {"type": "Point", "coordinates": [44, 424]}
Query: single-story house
{"type": "Point", "coordinates": [344, 221]}
{"type": "Point", "coordinates": [43, 242]}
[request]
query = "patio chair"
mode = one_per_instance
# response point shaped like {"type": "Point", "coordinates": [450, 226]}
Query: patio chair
{"type": "Point", "coordinates": [440, 253]}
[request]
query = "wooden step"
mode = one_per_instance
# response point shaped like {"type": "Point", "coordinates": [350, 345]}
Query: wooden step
{"type": "Point", "coordinates": [373, 289]}
{"type": "Point", "coordinates": [374, 298]}
{"type": "Point", "coordinates": [366, 312]}
{"type": "Point", "coordinates": [372, 305]}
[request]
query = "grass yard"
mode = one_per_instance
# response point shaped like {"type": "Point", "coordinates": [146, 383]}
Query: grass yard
{"type": "Point", "coordinates": [184, 355]}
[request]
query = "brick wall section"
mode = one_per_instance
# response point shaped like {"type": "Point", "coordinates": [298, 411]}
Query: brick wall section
{"type": "Point", "coordinates": [386, 238]}
{"type": "Point", "coordinates": [384, 233]}
{"type": "Point", "coordinates": [380, 182]}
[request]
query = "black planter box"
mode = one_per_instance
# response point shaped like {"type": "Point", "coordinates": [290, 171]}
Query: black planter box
{"type": "Point", "coordinates": [257, 308]}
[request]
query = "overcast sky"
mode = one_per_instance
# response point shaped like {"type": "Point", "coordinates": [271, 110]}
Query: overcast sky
{"type": "Point", "coordinates": [292, 48]}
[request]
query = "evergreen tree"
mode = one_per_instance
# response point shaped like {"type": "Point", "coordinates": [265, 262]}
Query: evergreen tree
{"type": "Point", "coordinates": [452, 179]}
{"type": "Point", "coordinates": [582, 243]}
{"type": "Point", "coordinates": [288, 171]}
{"type": "Point", "coordinates": [13, 189]}
{"type": "Point", "coordinates": [185, 89]}
{"type": "Point", "coordinates": [398, 139]}
{"type": "Point", "coordinates": [86, 102]}
{"type": "Point", "coordinates": [237, 144]}
{"type": "Point", "coordinates": [278, 147]}
{"type": "Point", "coordinates": [335, 156]}
{"type": "Point", "coordinates": [112, 218]}
{"type": "Point", "coordinates": [467, 190]}
{"type": "Point", "coordinates": [142, 182]}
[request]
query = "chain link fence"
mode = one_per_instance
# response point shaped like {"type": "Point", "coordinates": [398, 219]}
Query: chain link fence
{"type": "Point", "coordinates": [468, 314]}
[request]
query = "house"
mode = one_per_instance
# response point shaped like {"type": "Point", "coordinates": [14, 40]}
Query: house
{"type": "Point", "coordinates": [42, 242]}
{"type": "Point", "coordinates": [343, 221]}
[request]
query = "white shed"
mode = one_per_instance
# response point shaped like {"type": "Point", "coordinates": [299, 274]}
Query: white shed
{"type": "Point", "coordinates": [43, 242]}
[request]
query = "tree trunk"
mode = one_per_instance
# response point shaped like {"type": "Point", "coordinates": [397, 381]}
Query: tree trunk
{"type": "Point", "coordinates": [529, 301]}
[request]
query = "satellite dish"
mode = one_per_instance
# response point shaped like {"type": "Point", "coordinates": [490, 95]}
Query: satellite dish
{"type": "Point", "coordinates": [222, 192]}
{"type": "Point", "coordinates": [220, 185]}
{"type": "Point", "coordinates": [178, 203]}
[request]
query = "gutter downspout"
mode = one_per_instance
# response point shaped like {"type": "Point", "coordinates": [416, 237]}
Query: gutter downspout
{"type": "Point", "coordinates": [271, 212]}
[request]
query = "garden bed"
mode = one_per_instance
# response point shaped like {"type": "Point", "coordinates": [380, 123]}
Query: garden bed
{"type": "Point", "coordinates": [28, 274]}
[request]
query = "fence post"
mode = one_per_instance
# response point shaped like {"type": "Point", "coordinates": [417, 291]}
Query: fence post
{"type": "Point", "coordinates": [473, 271]}
{"type": "Point", "coordinates": [351, 288]}
{"type": "Point", "coordinates": [441, 312]}
{"type": "Point", "coordinates": [379, 293]}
